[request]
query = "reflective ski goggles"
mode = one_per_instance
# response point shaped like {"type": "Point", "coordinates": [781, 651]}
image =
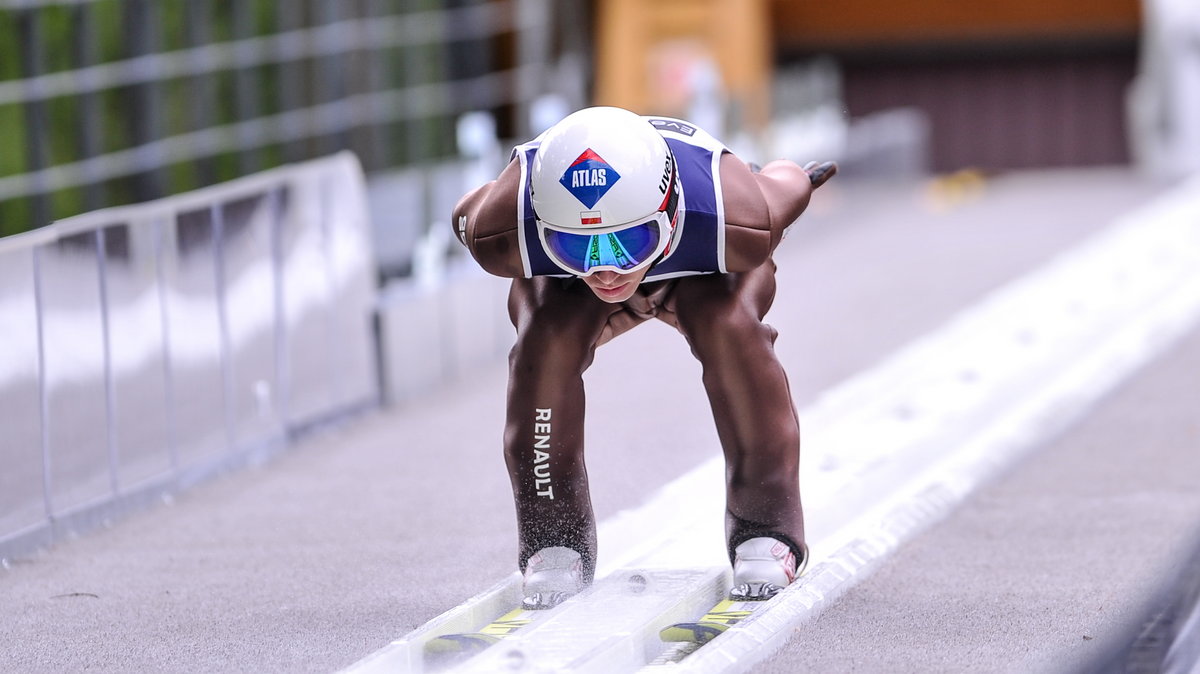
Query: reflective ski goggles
{"type": "Point", "coordinates": [621, 248]}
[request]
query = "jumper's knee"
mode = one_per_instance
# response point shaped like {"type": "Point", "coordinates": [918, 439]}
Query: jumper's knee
{"type": "Point", "coordinates": [553, 348]}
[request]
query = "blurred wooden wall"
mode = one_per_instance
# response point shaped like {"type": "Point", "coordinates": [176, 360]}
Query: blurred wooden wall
{"type": "Point", "coordinates": [644, 49]}
{"type": "Point", "coordinates": [879, 23]}
{"type": "Point", "coordinates": [1005, 83]}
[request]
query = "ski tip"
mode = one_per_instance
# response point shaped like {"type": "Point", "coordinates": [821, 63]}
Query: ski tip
{"type": "Point", "coordinates": [696, 633]}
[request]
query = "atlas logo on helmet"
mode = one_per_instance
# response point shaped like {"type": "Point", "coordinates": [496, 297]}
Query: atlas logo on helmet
{"type": "Point", "coordinates": [589, 178]}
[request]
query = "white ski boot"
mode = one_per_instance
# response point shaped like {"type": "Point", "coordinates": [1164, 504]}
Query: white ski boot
{"type": "Point", "coordinates": [551, 576]}
{"type": "Point", "coordinates": [762, 567]}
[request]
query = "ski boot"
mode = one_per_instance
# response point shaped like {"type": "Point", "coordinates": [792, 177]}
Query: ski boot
{"type": "Point", "coordinates": [552, 575]}
{"type": "Point", "coordinates": [762, 567]}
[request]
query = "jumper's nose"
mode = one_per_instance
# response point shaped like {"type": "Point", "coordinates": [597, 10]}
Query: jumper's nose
{"type": "Point", "coordinates": [607, 277]}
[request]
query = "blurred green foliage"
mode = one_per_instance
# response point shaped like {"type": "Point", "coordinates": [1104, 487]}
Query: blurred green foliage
{"type": "Point", "coordinates": [70, 36]}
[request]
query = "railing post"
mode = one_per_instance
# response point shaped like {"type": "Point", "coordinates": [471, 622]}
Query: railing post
{"type": "Point", "coordinates": [43, 387]}
{"type": "Point", "coordinates": [228, 389]}
{"type": "Point", "coordinates": [110, 385]}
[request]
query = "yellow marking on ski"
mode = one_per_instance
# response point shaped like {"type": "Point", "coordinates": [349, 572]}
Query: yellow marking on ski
{"type": "Point", "coordinates": [507, 624]}
{"type": "Point", "coordinates": [726, 612]}
{"type": "Point", "coordinates": [719, 618]}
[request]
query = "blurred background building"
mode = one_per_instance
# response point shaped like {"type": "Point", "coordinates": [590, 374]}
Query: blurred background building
{"type": "Point", "coordinates": [108, 102]}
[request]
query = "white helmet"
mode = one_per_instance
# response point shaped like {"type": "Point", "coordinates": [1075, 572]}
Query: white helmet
{"type": "Point", "coordinates": [605, 191]}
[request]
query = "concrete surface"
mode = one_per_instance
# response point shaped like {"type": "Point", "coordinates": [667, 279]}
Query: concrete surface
{"type": "Point", "coordinates": [371, 528]}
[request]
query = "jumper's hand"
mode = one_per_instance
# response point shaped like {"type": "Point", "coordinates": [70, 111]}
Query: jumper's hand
{"type": "Point", "coordinates": [819, 172]}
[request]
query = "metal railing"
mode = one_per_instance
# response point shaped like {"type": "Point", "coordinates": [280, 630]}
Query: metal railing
{"type": "Point", "coordinates": [154, 340]}
{"type": "Point", "coordinates": [149, 346]}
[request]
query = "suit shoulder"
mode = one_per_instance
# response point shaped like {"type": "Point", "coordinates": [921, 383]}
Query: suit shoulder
{"type": "Point", "coordinates": [485, 220]}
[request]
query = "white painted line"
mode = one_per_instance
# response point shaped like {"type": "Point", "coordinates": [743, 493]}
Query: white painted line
{"type": "Point", "coordinates": [893, 450]}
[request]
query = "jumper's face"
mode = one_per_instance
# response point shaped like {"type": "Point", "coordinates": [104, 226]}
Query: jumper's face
{"type": "Point", "coordinates": [610, 244]}
{"type": "Point", "coordinates": [614, 287]}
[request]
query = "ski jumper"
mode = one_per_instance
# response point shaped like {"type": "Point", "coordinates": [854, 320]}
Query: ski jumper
{"type": "Point", "coordinates": [560, 323]}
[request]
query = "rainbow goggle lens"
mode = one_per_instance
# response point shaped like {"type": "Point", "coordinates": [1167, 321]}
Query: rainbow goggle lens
{"type": "Point", "coordinates": [622, 248]}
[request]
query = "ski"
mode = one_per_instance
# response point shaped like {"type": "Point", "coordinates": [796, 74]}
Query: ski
{"type": "Point", "coordinates": [752, 554]}
{"type": "Point", "coordinates": [449, 648]}
{"type": "Point", "coordinates": [725, 614]}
